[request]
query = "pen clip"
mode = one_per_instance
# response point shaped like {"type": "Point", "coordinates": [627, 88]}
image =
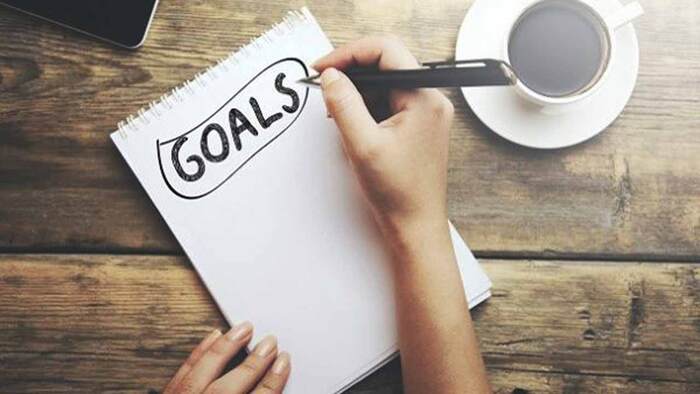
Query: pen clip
{"type": "Point", "coordinates": [456, 63]}
{"type": "Point", "coordinates": [504, 67]}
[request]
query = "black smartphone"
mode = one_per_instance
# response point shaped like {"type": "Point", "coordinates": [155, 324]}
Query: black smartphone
{"type": "Point", "coordinates": [122, 22]}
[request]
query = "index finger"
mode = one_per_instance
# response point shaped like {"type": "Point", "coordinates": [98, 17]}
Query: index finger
{"type": "Point", "coordinates": [387, 53]}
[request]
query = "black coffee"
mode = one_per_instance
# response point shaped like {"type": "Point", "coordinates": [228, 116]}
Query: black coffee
{"type": "Point", "coordinates": [558, 48]}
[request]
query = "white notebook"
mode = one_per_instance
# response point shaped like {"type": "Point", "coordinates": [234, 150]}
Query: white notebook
{"type": "Point", "coordinates": [250, 176]}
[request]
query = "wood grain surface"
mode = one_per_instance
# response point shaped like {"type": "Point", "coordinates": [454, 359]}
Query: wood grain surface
{"type": "Point", "coordinates": [123, 323]}
{"type": "Point", "coordinates": [633, 192]}
{"type": "Point", "coordinates": [626, 320]}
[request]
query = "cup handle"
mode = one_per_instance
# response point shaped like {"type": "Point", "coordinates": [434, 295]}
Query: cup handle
{"type": "Point", "coordinates": [627, 14]}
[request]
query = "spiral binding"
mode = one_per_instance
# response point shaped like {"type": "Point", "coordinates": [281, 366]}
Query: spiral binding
{"type": "Point", "coordinates": [189, 88]}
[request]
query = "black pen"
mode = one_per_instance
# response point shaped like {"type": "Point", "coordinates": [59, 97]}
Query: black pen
{"type": "Point", "coordinates": [450, 73]}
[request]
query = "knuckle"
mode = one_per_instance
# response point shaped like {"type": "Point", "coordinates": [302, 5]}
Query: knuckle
{"type": "Point", "coordinates": [448, 103]}
{"type": "Point", "coordinates": [442, 108]}
{"type": "Point", "coordinates": [251, 365]}
{"type": "Point", "coordinates": [216, 388]}
{"type": "Point", "coordinates": [369, 152]}
{"type": "Point", "coordinates": [220, 348]}
{"type": "Point", "coordinates": [336, 96]}
{"type": "Point", "coordinates": [194, 356]}
{"type": "Point", "coordinates": [449, 109]}
{"type": "Point", "coordinates": [269, 385]}
{"type": "Point", "coordinates": [186, 386]}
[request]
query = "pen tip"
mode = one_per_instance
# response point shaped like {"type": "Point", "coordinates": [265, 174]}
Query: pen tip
{"type": "Point", "coordinates": [311, 80]}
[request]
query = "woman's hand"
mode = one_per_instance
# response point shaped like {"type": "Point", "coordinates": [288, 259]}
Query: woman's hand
{"type": "Point", "coordinates": [401, 162]}
{"type": "Point", "coordinates": [264, 371]}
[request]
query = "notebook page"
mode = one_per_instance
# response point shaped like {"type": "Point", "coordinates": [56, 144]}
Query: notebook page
{"type": "Point", "coordinates": [271, 217]}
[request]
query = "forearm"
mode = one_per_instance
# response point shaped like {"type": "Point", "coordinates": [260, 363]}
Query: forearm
{"type": "Point", "coordinates": [401, 164]}
{"type": "Point", "coordinates": [439, 349]}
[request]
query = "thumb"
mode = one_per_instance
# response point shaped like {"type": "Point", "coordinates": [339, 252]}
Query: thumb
{"type": "Point", "coordinates": [346, 106]}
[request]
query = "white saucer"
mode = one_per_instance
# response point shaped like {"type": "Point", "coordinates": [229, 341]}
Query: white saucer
{"type": "Point", "coordinates": [483, 35]}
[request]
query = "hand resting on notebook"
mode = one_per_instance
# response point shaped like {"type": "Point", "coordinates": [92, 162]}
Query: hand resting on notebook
{"type": "Point", "coordinates": [401, 163]}
{"type": "Point", "coordinates": [263, 371]}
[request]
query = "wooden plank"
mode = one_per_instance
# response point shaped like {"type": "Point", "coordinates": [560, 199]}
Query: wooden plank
{"type": "Point", "coordinates": [388, 380]}
{"type": "Point", "coordinates": [124, 323]}
{"type": "Point", "coordinates": [632, 193]}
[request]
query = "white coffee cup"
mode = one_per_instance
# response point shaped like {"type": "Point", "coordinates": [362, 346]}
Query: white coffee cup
{"type": "Point", "coordinates": [605, 16]}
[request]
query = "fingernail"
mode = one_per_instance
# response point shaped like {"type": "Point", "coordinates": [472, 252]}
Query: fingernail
{"type": "Point", "coordinates": [266, 346]}
{"type": "Point", "coordinates": [212, 335]}
{"type": "Point", "coordinates": [239, 332]}
{"type": "Point", "coordinates": [328, 76]}
{"type": "Point", "coordinates": [281, 364]}
{"type": "Point", "coordinates": [209, 339]}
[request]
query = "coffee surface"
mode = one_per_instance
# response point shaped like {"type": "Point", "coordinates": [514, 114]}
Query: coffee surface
{"type": "Point", "coordinates": [558, 48]}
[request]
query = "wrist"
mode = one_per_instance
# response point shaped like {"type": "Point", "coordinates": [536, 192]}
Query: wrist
{"type": "Point", "coordinates": [406, 235]}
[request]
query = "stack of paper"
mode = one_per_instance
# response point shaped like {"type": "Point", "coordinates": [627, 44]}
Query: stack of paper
{"type": "Point", "coordinates": [250, 176]}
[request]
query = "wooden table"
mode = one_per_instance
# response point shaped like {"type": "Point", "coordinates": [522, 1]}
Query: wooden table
{"type": "Point", "coordinates": [593, 250]}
